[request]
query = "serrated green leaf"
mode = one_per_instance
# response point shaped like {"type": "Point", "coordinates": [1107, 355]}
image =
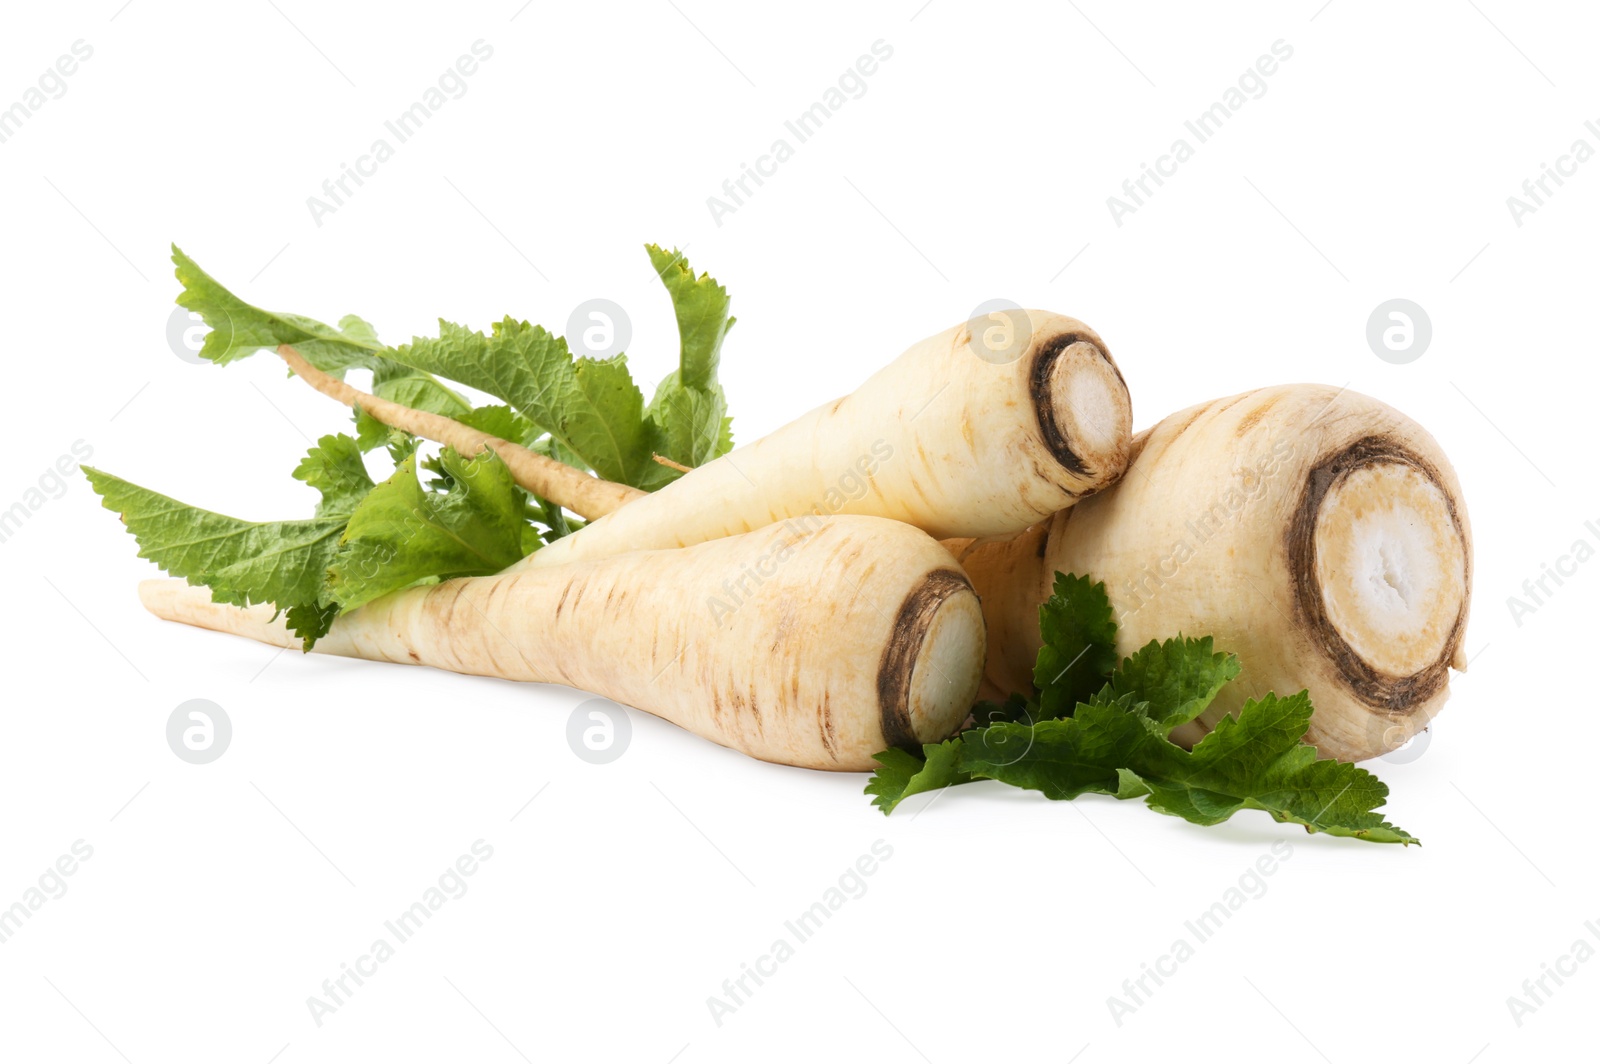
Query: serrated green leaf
{"type": "Point", "coordinates": [310, 622]}
{"type": "Point", "coordinates": [239, 329]}
{"type": "Point", "coordinates": [1178, 678]}
{"type": "Point", "coordinates": [591, 407]}
{"type": "Point", "coordinates": [242, 562]}
{"type": "Point", "coordinates": [693, 427]}
{"type": "Point", "coordinates": [1059, 758]}
{"type": "Point", "coordinates": [334, 467]}
{"type": "Point", "coordinates": [501, 421]}
{"type": "Point", "coordinates": [701, 306]}
{"type": "Point", "coordinates": [402, 533]}
{"type": "Point", "coordinates": [1114, 739]}
{"type": "Point", "coordinates": [901, 773]}
{"type": "Point", "coordinates": [1258, 761]}
{"type": "Point", "coordinates": [689, 407]}
{"type": "Point", "coordinates": [418, 390]}
{"type": "Point", "coordinates": [1013, 710]}
{"type": "Point", "coordinates": [1079, 651]}
{"type": "Point", "coordinates": [1254, 761]}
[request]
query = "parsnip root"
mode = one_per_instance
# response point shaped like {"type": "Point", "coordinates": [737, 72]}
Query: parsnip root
{"type": "Point", "coordinates": [942, 438]}
{"type": "Point", "coordinates": [811, 647]}
{"type": "Point", "coordinates": [1317, 533]}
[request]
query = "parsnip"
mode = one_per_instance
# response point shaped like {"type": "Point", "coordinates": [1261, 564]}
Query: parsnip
{"type": "Point", "coordinates": [1317, 533]}
{"type": "Point", "coordinates": [941, 438]}
{"type": "Point", "coordinates": [813, 647]}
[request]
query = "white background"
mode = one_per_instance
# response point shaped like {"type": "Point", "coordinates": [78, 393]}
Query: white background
{"type": "Point", "coordinates": [976, 166]}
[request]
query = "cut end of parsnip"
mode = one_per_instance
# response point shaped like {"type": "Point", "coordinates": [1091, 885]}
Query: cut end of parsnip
{"type": "Point", "coordinates": [1380, 571]}
{"type": "Point", "coordinates": [928, 677]}
{"type": "Point", "coordinates": [945, 673]}
{"type": "Point", "coordinates": [1392, 567]}
{"type": "Point", "coordinates": [1084, 411]}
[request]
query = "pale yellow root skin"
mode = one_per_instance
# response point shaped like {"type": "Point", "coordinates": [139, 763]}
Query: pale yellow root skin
{"type": "Point", "coordinates": [940, 439]}
{"type": "Point", "coordinates": [812, 647]}
{"type": "Point", "coordinates": [1317, 533]}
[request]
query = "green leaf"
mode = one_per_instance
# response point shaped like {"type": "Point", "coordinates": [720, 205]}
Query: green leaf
{"type": "Point", "coordinates": [591, 407]}
{"type": "Point", "coordinates": [1258, 761]}
{"type": "Point", "coordinates": [689, 407]}
{"type": "Point", "coordinates": [1179, 678]}
{"type": "Point", "coordinates": [693, 425]}
{"type": "Point", "coordinates": [1059, 758]}
{"type": "Point", "coordinates": [310, 622]}
{"type": "Point", "coordinates": [334, 467]}
{"type": "Point", "coordinates": [242, 562]}
{"type": "Point", "coordinates": [239, 329]}
{"type": "Point", "coordinates": [701, 306]}
{"type": "Point", "coordinates": [1079, 651]}
{"type": "Point", "coordinates": [902, 774]}
{"type": "Point", "coordinates": [1014, 709]}
{"type": "Point", "coordinates": [402, 533]}
{"type": "Point", "coordinates": [1112, 736]}
{"type": "Point", "coordinates": [372, 433]}
{"type": "Point", "coordinates": [500, 421]}
{"type": "Point", "coordinates": [555, 519]}
{"type": "Point", "coordinates": [420, 391]}
{"type": "Point", "coordinates": [1254, 761]}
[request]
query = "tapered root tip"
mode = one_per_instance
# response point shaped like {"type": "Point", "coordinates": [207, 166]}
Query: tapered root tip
{"type": "Point", "coordinates": [933, 663]}
{"type": "Point", "coordinates": [176, 600]}
{"type": "Point", "coordinates": [168, 598]}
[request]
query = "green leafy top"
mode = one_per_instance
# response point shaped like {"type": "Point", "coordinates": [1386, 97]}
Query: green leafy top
{"type": "Point", "coordinates": [365, 539]}
{"type": "Point", "coordinates": [1117, 740]}
{"type": "Point", "coordinates": [590, 410]}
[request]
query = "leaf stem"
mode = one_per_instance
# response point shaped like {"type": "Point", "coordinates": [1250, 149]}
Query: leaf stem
{"type": "Point", "coordinates": [585, 495]}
